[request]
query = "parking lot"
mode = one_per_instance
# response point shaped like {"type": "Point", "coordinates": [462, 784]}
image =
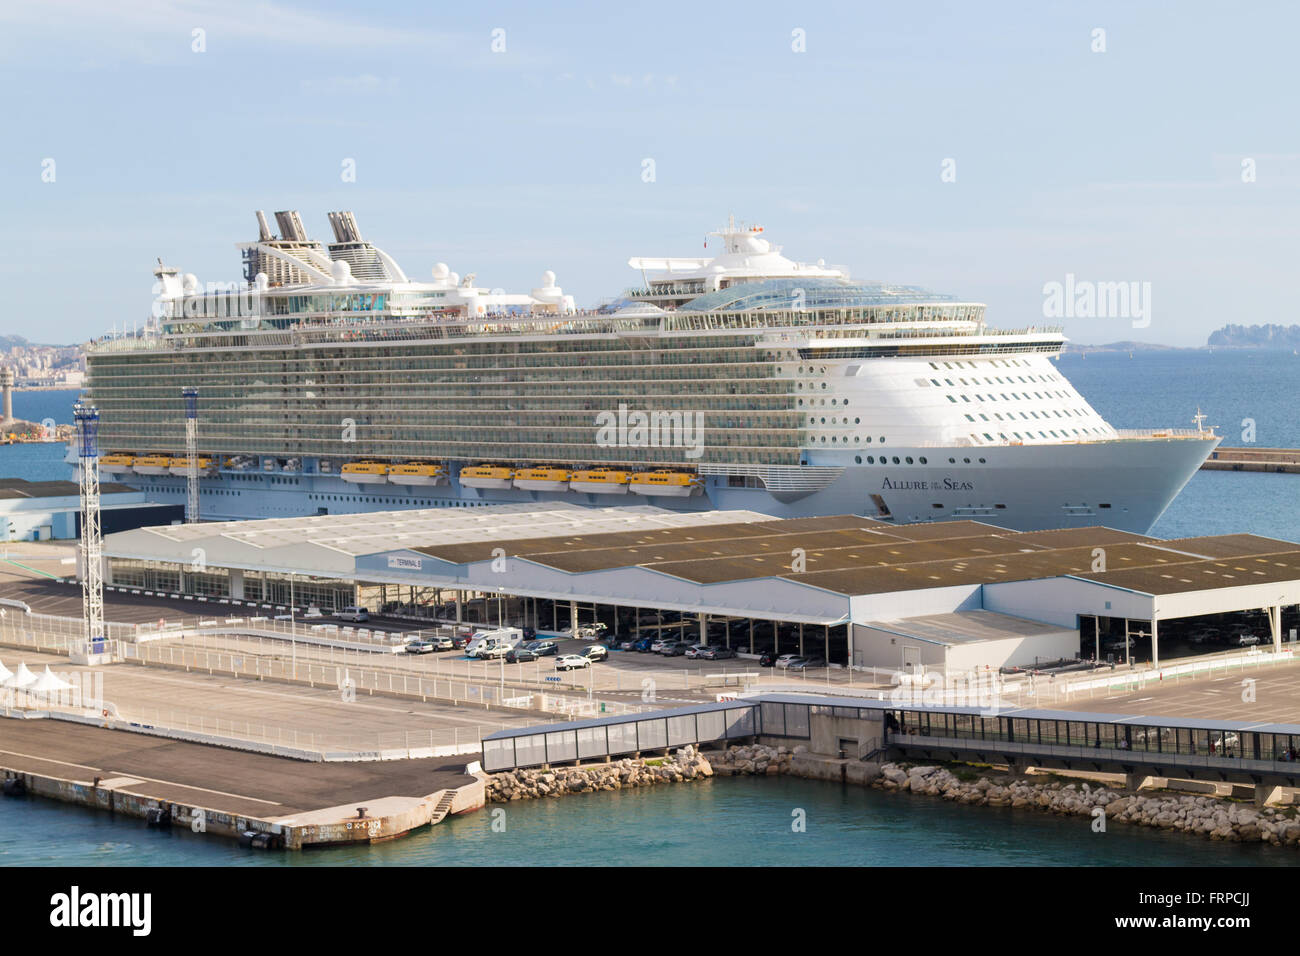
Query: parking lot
{"type": "Point", "coordinates": [1266, 694]}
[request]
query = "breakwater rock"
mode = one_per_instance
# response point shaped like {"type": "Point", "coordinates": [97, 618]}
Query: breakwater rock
{"type": "Point", "coordinates": [1203, 815]}
{"type": "Point", "coordinates": [756, 759]}
{"type": "Point", "coordinates": [684, 765]}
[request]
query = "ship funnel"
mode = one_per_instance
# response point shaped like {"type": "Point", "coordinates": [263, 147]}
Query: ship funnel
{"type": "Point", "coordinates": [291, 227]}
{"type": "Point", "coordinates": [263, 230]}
{"type": "Point", "coordinates": [345, 228]}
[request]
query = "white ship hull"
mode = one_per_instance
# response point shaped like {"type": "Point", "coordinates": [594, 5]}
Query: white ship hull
{"type": "Point", "coordinates": [1039, 486]}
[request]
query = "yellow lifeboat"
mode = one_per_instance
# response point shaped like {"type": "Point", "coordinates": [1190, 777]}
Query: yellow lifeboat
{"type": "Point", "coordinates": [181, 466]}
{"type": "Point", "coordinates": [664, 483]}
{"type": "Point", "coordinates": [543, 479]}
{"type": "Point", "coordinates": [365, 472]}
{"type": "Point", "coordinates": [117, 464]}
{"type": "Point", "coordinates": [601, 481]}
{"type": "Point", "coordinates": [487, 476]}
{"type": "Point", "coordinates": [417, 473]}
{"type": "Point", "coordinates": [153, 464]}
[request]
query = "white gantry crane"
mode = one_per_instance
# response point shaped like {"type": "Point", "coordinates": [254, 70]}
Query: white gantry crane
{"type": "Point", "coordinates": [191, 396]}
{"type": "Point", "coordinates": [92, 575]}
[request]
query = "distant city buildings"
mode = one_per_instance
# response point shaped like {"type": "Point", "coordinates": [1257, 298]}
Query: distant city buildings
{"type": "Point", "coordinates": [45, 366]}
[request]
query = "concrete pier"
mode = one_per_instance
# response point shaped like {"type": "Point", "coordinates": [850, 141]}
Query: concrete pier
{"type": "Point", "coordinates": [267, 801]}
{"type": "Point", "coordinates": [1278, 460]}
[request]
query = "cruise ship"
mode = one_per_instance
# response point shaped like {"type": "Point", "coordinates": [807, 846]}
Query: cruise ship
{"type": "Point", "coordinates": [331, 382]}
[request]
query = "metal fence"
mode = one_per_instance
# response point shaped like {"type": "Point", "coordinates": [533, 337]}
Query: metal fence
{"type": "Point", "coordinates": [354, 674]}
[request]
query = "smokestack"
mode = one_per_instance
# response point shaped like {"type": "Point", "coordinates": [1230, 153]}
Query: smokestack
{"type": "Point", "coordinates": [263, 230]}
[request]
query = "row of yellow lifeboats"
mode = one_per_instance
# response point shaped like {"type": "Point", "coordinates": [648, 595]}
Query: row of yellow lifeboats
{"type": "Point", "coordinates": [600, 481]}
{"type": "Point", "coordinates": [151, 464]}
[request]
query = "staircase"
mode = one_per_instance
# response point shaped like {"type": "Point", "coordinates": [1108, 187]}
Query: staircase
{"type": "Point", "coordinates": [442, 807]}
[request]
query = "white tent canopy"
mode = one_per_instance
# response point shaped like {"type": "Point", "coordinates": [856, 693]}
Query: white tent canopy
{"type": "Point", "coordinates": [5, 673]}
{"type": "Point", "coordinates": [48, 683]}
{"type": "Point", "coordinates": [21, 678]}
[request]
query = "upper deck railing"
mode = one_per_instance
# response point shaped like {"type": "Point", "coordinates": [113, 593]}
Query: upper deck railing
{"type": "Point", "coordinates": [277, 332]}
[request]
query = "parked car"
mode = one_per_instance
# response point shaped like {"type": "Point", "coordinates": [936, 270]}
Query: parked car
{"type": "Point", "coordinates": [675, 648]}
{"type": "Point", "coordinates": [596, 652]}
{"type": "Point", "coordinates": [1247, 640]}
{"type": "Point", "coordinates": [351, 613]}
{"type": "Point", "coordinates": [543, 648]}
{"type": "Point", "coordinates": [659, 643]}
{"type": "Point", "coordinates": [420, 647]}
{"type": "Point", "coordinates": [441, 643]}
{"type": "Point", "coordinates": [696, 651]}
{"type": "Point", "coordinates": [785, 660]}
{"type": "Point", "coordinates": [588, 632]}
{"type": "Point", "coordinates": [518, 655]}
{"type": "Point", "coordinates": [530, 633]}
{"type": "Point", "coordinates": [459, 641]}
{"type": "Point", "coordinates": [568, 662]}
{"type": "Point", "coordinates": [627, 644]}
{"type": "Point", "coordinates": [807, 663]}
{"type": "Point", "coordinates": [717, 652]}
{"type": "Point", "coordinates": [492, 652]}
{"type": "Point", "coordinates": [766, 659]}
{"type": "Point", "coordinates": [643, 645]}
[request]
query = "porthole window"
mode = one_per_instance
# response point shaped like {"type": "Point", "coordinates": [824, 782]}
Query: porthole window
{"type": "Point", "coordinates": [952, 461]}
{"type": "Point", "coordinates": [908, 459]}
{"type": "Point", "coordinates": [923, 461]}
{"type": "Point", "coordinates": [871, 459]}
{"type": "Point", "coordinates": [966, 460]}
{"type": "Point", "coordinates": [858, 459]}
{"type": "Point", "coordinates": [982, 461]}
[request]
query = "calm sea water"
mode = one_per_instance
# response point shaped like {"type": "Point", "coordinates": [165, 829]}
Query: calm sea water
{"type": "Point", "coordinates": [723, 822]}
{"type": "Point", "coordinates": [746, 821]}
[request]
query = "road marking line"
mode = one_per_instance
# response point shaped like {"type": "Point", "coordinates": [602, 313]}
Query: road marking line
{"type": "Point", "coordinates": [222, 793]}
{"type": "Point", "coordinates": [79, 766]}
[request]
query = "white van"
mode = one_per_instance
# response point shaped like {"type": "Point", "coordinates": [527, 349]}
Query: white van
{"type": "Point", "coordinates": [493, 643]}
{"type": "Point", "coordinates": [357, 614]}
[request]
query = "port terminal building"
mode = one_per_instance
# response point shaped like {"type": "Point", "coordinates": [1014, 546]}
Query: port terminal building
{"type": "Point", "coordinates": [954, 596]}
{"type": "Point", "coordinates": [51, 510]}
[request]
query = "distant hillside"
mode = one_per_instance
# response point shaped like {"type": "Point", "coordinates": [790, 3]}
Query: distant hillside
{"type": "Point", "coordinates": [1256, 337]}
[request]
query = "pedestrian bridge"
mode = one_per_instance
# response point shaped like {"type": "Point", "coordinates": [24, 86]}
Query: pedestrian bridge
{"type": "Point", "coordinates": [1140, 746]}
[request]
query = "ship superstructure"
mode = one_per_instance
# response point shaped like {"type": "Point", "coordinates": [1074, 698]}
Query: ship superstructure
{"type": "Point", "coordinates": [331, 381]}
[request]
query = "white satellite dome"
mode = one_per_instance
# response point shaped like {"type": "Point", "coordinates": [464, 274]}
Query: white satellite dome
{"type": "Point", "coordinates": [441, 271]}
{"type": "Point", "coordinates": [191, 283]}
{"type": "Point", "coordinates": [341, 271]}
{"type": "Point", "coordinates": [548, 279]}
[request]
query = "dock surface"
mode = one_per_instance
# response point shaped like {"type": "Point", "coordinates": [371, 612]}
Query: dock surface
{"type": "Point", "coordinates": [1278, 460]}
{"type": "Point", "coordinates": [231, 781]}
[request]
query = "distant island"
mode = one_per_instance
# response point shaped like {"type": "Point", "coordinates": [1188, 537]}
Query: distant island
{"type": "Point", "coordinates": [1256, 337]}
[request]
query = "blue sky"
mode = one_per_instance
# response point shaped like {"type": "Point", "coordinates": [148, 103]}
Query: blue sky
{"type": "Point", "coordinates": [1117, 166]}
